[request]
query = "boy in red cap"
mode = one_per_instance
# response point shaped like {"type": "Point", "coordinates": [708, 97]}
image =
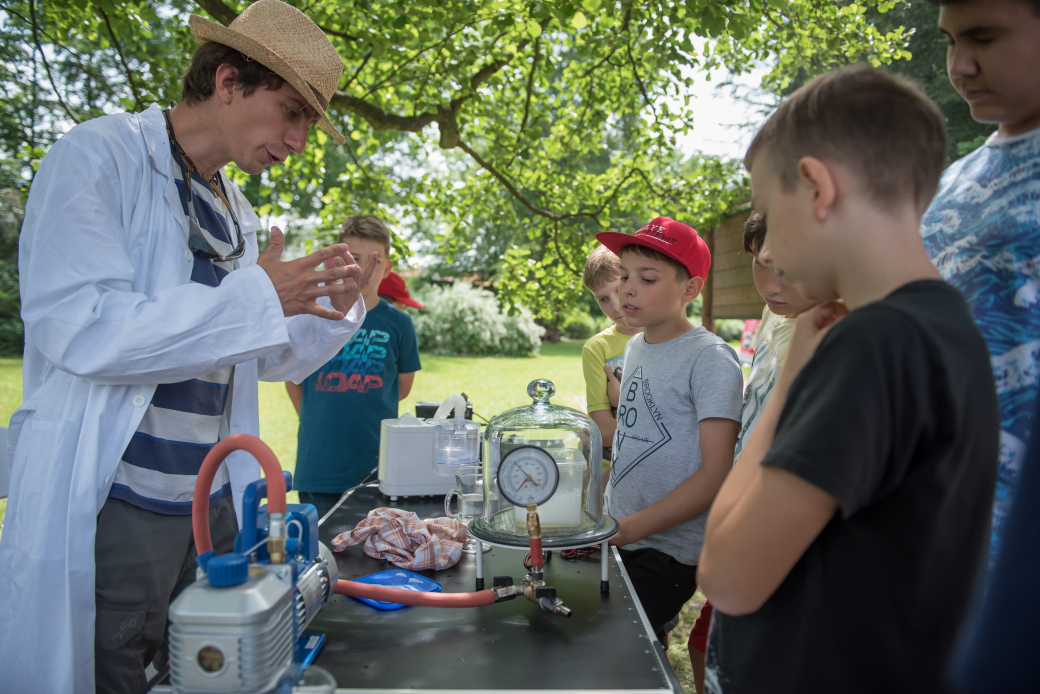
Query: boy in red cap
{"type": "Point", "coordinates": [677, 418]}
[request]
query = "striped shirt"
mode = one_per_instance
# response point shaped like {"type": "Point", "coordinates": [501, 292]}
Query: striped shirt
{"type": "Point", "coordinates": [184, 420]}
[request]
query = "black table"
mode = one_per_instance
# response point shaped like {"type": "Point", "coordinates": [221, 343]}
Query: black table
{"type": "Point", "coordinates": [606, 646]}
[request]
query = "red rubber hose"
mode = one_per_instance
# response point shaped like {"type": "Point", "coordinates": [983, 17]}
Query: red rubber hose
{"type": "Point", "coordinates": [537, 558]}
{"type": "Point", "coordinates": [200, 501]}
{"type": "Point", "coordinates": [411, 597]}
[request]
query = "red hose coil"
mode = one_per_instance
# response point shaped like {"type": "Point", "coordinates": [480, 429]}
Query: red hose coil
{"type": "Point", "coordinates": [200, 500]}
{"type": "Point", "coordinates": [276, 504]}
{"type": "Point", "coordinates": [411, 597]}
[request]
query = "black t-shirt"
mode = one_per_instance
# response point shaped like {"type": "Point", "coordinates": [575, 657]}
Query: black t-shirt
{"type": "Point", "coordinates": [895, 416]}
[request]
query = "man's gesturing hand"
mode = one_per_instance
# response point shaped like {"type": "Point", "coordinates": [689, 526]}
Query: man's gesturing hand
{"type": "Point", "coordinates": [299, 283]}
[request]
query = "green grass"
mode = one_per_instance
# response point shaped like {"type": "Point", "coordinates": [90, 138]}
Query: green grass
{"type": "Point", "coordinates": [10, 399]}
{"type": "Point", "coordinates": [492, 384]}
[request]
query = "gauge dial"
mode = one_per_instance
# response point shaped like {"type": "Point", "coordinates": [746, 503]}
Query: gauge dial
{"type": "Point", "coordinates": [528, 475]}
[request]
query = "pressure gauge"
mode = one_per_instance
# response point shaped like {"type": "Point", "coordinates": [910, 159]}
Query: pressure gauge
{"type": "Point", "coordinates": [528, 475]}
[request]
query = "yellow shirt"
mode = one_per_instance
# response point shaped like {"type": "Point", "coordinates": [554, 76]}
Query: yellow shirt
{"type": "Point", "coordinates": [606, 347]}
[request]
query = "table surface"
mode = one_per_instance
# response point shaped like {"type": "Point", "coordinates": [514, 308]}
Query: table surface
{"type": "Point", "coordinates": [605, 646]}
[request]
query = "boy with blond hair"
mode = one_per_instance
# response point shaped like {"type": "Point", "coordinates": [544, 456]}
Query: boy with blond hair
{"type": "Point", "coordinates": [603, 356]}
{"type": "Point", "coordinates": [841, 550]}
{"type": "Point", "coordinates": [678, 416]}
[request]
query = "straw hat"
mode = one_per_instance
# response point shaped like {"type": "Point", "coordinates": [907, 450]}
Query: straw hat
{"type": "Point", "coordinates": [285, 40]}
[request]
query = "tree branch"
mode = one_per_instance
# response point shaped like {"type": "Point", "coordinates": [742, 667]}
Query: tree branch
{"type": "Point", "coordinates": [530, 88]}
{"type": "Point", "coordinates": [46, 65]}
{"type": "Point", "coordinates": [531, 206]}
{"type": "Point", "coordinates": [122, 60]}
{"type": "Point", "coordinates": [650, 185]}
{"type": "Point", "coordinates": [639, 82]}
{"type": "Point", "coordinates": [485, 73]}
{"type": "Point", "coordinates": [218, 10]}
{"type": "Point", "coordinates": [361, 167]}
{"type": "Point", "coordinates": [380, 119]}
{"type": "Point", "coordinates": [609, 198]}
{"type": "Point", "coordinates": [765, 11]}
{"type": "Point", "coordinates": [600, 63]}
{"type": "Point", "coordinates": [447, 37]}
{"type": "Point", "coordinates": [340, 34]}
{"type": "Point", "coordinates": [364, 61]}
{"type": "Point", "coordinates": [559, 251]}
{"type": "Point", "coordinates": [507, 184]}
{"type": "Point", "coordinates": [588, 102]}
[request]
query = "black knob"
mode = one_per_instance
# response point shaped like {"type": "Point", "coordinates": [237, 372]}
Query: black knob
{"type": "Point", "coordinates": [545, 592]}
{"type": "Point", "coordinates": [503, 581]}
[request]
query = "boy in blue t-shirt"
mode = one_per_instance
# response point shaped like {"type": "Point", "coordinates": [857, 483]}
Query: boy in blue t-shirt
{"type": "Point", "coordinates": [342, 403]}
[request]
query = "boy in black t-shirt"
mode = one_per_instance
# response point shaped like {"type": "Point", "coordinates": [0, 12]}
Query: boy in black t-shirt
{"type": "Point", "coordinates": [840, 551]}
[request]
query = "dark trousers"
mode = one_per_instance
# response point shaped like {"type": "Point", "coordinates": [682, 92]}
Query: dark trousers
{"type": "Point", "coordinates": [322, 501]}
{"type": "Point", "coordinates": [662, 584]}
{"type": "Point", "coordinates": [143, 560]}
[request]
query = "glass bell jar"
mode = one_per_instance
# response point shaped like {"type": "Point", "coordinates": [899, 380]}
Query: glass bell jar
{"type": "Point", "coordinates": [551, 455]}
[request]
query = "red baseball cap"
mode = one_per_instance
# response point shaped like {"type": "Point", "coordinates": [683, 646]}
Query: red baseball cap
{"type": "Point", "coordinates": [676, 240]}
{"type": "Point", "coordinates": [394, 287]}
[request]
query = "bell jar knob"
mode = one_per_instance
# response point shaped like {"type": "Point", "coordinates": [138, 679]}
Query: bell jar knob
{"type": "Point", "coordinates": [541, 389]}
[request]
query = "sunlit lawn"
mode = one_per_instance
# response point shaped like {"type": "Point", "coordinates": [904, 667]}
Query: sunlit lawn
{"type": "Point", "coordinates": [492, 385]}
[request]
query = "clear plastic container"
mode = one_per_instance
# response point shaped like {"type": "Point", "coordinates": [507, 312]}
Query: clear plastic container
{"type": "Point", "coordinates": [457, 443]}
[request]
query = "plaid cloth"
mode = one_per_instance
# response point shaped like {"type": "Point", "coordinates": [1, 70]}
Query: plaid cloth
{"type": "Point", "coordinates": [405, 541]}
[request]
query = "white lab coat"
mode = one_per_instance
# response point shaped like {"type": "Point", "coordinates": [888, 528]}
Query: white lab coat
{"type": "Point", "coordinates": [109, 313]}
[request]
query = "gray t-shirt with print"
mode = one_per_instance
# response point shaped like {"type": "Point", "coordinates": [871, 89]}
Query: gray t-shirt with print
{"type": "Point", "coordinates": [666, 390]}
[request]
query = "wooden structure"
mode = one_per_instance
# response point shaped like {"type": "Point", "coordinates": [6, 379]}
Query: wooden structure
{"type": "Point", "coordinates": [729, 289]}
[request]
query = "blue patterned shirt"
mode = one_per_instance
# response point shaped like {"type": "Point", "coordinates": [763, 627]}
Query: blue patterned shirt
{"type": "Point", "coordinates": [982, 231]}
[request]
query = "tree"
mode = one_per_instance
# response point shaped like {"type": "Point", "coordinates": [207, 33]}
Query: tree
{"type": "Point", "coordinates": [553, 119]}
{"type": "Point", "coordinates": [924, 64]}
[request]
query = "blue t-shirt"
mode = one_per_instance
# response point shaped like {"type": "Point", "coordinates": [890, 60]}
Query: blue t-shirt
{"type": "Point", "coordinates": [982, 231]}
{"type": "Point", "coordinates": [345, 400]}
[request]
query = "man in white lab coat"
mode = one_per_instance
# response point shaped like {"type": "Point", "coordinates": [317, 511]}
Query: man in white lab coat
{"type": "Point", "coordinates": [150, 316]}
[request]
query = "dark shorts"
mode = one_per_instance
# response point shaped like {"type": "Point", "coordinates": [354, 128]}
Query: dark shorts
{"type": "Point", "coordinates": [143, 560]}
{"type": "Point", "coordinates": [662, 584]}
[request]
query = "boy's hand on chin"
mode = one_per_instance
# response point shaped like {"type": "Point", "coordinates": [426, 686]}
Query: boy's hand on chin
{"type": "Point", "coordinates": [809, 329]}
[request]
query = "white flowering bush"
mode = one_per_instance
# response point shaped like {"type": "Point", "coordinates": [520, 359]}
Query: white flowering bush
{"type": "Point", "coordinates": [464, 320]}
